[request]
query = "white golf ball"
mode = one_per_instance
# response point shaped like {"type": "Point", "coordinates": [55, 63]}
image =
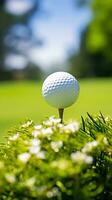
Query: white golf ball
{"type": "Point", "coordinates": [60, 89]}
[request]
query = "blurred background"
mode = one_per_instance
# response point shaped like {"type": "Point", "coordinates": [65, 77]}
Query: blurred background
{"type": "Point", "coordinates": [39, 37]}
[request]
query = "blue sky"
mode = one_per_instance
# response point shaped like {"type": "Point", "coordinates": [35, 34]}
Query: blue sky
{"type": "Point", "coordinates": [59, 27]}
{"type": "Point", "coordinates": [60, 30]}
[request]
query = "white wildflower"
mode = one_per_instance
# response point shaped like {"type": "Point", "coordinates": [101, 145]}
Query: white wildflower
{"type": "Point", "coordinates": [14, 137]}
{"type": "Point", "coordinates": [35, 142]}
{"type": "Point", "coordinates": [30, 182]}
{"type": "Point", "coordinates": [41, 155]}
{"type": "Point", "coordinates": [10, 178]}
{"type": "Point", "coordinates": [38, 127]}
{"type": "Point", "coordinates": [27, 124]}
{"type": "Point", "coordinates": [55, 120]}
{"type": "Point", "coordinates": [37, 130]}
{"type": "Point", "coordinates": [88, 159]}
{"type": "Point", "coordinates": [53, 193]}
{"type": "Point", "coordinates": [34, 149]}
{"type": "Point", "coordinates": [71, 127]}
{"type": "Point", "coordinates": [56, 145]}
{"type": "Point", "coordinates": [52, 121]}
{"type": "Point", "coordinates": [34, 146]}
{"type": "Point", "coordinates": [24, 157]}
{"type": "Point", "coordinates": [80, 157]}
{"type": "Point", "coordinates": [46, 131]}
{"type": "Point", "coordinates": [90, 146]}
{"type": "Point", "coordinates": [60, 126]}
{"type": "Point", "coordinates": [35, 133]}
{"type": "Point", "coordinates": [48, 123]}
{"type": "Point", "coordinates": [49, 194]}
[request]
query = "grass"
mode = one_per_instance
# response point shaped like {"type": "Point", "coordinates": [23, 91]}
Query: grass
{"type": "Point", "coordinates": [22, 100]}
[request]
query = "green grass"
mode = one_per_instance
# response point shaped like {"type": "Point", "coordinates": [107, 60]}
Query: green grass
{"type": "Point", "coordinates": [22, 100]}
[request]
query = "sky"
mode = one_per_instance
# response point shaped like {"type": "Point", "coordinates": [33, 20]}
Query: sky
{"type": "Point", "coordinates": [59, 28]}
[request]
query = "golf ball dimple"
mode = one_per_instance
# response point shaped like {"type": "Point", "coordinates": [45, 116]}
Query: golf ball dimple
{"type": "Point", "coordinates": [60, 89]}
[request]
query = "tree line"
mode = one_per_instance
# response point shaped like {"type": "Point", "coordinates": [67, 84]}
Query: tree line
{"type": "Point", "coordinates": [95, 55]}
{"type": "Point", "coordinates": [15, 38]}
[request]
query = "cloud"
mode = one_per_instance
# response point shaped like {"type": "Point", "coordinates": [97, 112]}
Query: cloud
{"type": "Point", "coordinates": [16, 61]}
{"type": "Point", "coordinates": [18, 7]}
{"type": "Point", "coordinates": [46, 57]}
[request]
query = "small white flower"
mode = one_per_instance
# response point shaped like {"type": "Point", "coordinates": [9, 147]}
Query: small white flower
{"type": "Point", "coordinates": [60, 126]}
{"type": "Point", "coordinates": [27, 124]}
{"type": "Point", "coordinates": [10, 178]}
{"type": "Point", "coordinates": [47, 131]}
{"type": "Point", "coordinates": [24, 157]}
{"type": "Point", "coordinates": [90, 146]}
{"type": "Point", "coordinates": [35, 142]}
{"type": "Point", "coordinates": [80, 157]}
{"type": "Point", "coordinates": [38, 127]}
{"type": "Point", "coordinates": [56, 145]}
{"type": "Point", "coordinates": [52, 121]}
{"type": "Point", "coordinates": [88, 159]}
{"type": "Point", "coordinates": [47, 123]}
{"type": "Point", "coordinates": [41, 155]}
{"type": "Point", "coordinates": [35, 133]}
{"type": "Point", "coordinates": [53, 193]}
{"type": "Point", "coordinates": [34, 149]}
{"type": "Point", "coordinates": [34, 146]}
{"type": "Point", "coordinates": [49, 194]}
{"type": "Point", "coordinates": [55, 120]}
{"type": "Point", "coordinates": [14, 137]}
{"type": "Point", "coordinates": [71, 127]}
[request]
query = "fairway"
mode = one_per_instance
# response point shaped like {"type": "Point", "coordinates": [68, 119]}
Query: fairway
{"type": "Point", "coordinates": [22, 100]}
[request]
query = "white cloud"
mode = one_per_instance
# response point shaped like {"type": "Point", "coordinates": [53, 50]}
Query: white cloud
{"type": "Point", "coordinates": [16, 61]}
{"type": "Point", "coordinates": [47, 56]}
{"type": "Point", "coordinates": [18, 7]}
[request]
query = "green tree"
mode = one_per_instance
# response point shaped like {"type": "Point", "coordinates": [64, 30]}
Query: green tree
{"type": "Point", "coordinates": [80, 63]}
{"type": "Point", "coordinates": [15, 33]}
{"type": "Point", "coordinates": [95, 55]}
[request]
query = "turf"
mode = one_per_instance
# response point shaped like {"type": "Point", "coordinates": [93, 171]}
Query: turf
{"type": "Point", "coordinates": [23, 100]}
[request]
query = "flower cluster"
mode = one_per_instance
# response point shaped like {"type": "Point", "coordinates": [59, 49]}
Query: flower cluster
{"type": "Point", "coordinates": [52, 160]}
{"type": "Point", "coordinates": [90, 146]}
{"type": "Point", "coordinates": [81, 158]}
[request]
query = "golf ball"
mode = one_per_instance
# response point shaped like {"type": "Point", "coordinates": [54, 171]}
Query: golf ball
{"type": "Point", "coordinates": [60, 89]}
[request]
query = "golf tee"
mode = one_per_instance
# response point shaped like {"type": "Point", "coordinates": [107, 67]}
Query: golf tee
{"type": "Point", "coordinates": [61, 111]}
